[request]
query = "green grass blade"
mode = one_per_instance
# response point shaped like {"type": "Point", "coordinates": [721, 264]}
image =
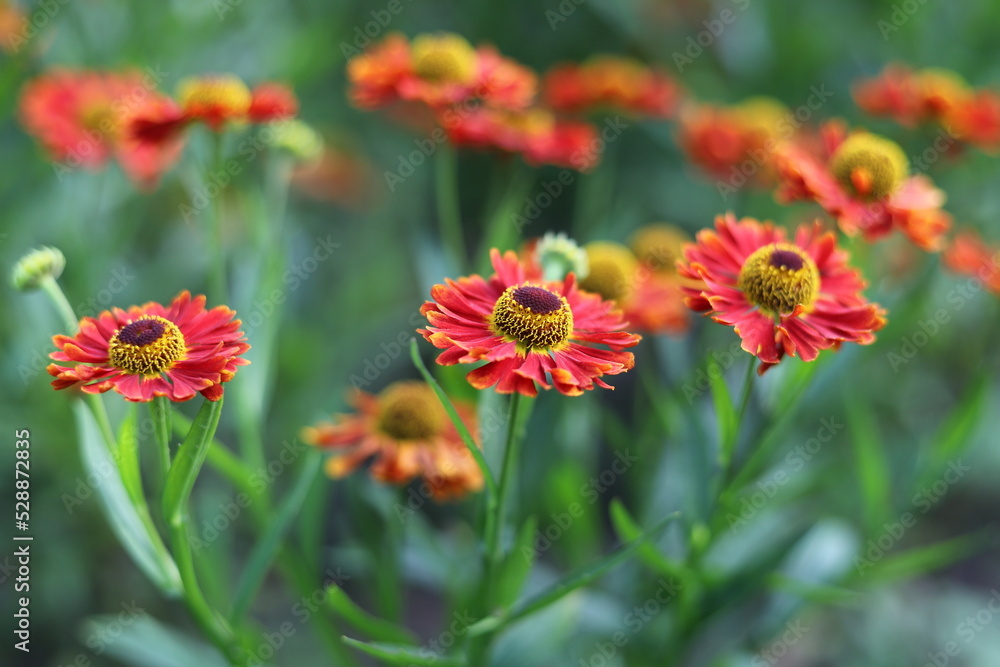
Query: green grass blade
{"type": "Point", "coordinates": [189, 459]}
{"type": "Point", "coordinates": [405, 656]}
{"type": "Point", "coordinates": [375, 628]}
{"type": "Point", "coordinates": [870, 462]}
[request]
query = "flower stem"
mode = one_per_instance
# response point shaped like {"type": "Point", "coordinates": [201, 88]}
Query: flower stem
{"type": "Point", "coordinates": [160, 412]}
{"type": "Point", "coordinates": [217, 256]}
{"type": "Point", "coordinates": [449, 209]}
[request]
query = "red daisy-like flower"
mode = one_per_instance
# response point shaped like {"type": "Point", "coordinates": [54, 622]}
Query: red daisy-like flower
{"type": "Point", "coordinates": [863, 181]}
{"type": "Point", "coordinates": [272, 101]}
{"type": "Point", "coordinates": [611, 83]}
{"type": "Point", "coordinates": [530, 333]}
{"type": "Point", "coordinates": [153, 139]}
{"type": "Point", "coordinates": [214, 99]}
{"type": "Point", "coordinates": [406, 433]}
{"type": "Point", "coordinates": [969, 255]}
{"type": "Point", "coordinates": [152, 350]}
{"type": "Point", "coordinates": [782, 297]}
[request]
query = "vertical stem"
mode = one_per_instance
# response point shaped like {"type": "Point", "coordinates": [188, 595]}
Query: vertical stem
{"type": "Point", "coordinates": [449, 213]}
{"type": "Point", "coordinates": [217, 256]}
{"type": "Point", "coordinates": [160, 413]}
{"type": "Point", "coordinates": [728, 445]}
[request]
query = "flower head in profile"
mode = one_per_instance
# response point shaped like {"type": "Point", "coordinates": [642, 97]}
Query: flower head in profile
{"type": "Point", "coordinates": [437, 70]}
{"type": "Point", "coordinates": [648, 295]}
{"type": "Point", "coordinates": [151, 350]}
{"type": "Point", "coordinates": [272, 101]}
{"type": "Point", "coordinates": [911, 97]}
{"type": "Point", "coordinates": [611, 83]}
{"type": "Point", "coordinates": [406, 433]}
{"type": "Point", "coordinates": [782, 296]}
{"type": "Point", "coordinates": [969, 255]}
{"type": "Point", "coordinates": [529, 332]}
{"type": "Point", "coordinates": [864, 181]}
{"type": "Point", "coordinates": [214, 99]}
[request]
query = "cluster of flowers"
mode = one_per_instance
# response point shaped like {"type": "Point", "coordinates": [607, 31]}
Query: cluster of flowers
{"type": "Point", "coordinates": [84, 118]}
{"type": "Point", "coordinates": [484, 100]}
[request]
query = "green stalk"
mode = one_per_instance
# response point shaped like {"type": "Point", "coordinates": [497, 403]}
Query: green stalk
{"type": "Point", "coordinates": [449, 213]}
{"type": "Point", "coordinates": [160, 413]}
{"type": "Point", "coordinates": [217, 256]}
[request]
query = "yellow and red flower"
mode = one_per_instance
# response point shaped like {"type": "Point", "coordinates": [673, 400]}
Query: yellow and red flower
{"type": "Point", "coordinates": [648, 293]}
{"type": "Point", "coordinates": [406, 433]}
{"type": "Point", "coordinates": [151, 350]}
{"type": "Point", "coordinates": [969, 255]}
{"type": "Point", "coordinates": [438, 70]}
{"type": "Point", "coordinates": [736, 141]}
{"type": "Point", "coordinates": [530, 332]}
{"type": "Point", "coordinates": [272, 101]}
{"type": "Point", "coordinates": [612, 84]}
{"type": "Point", "coordinates": [911, 97]}
{"type": "Point", "coordinates": [782, 296]}
{"type": "Point", "coordinates": [863, 180]}
{"type": "Point", "coordinates": [85, 118]}
{"type": "Point", "coordinates": [536, 134]}
{"type": "Point", "coordinates": [214, 99]}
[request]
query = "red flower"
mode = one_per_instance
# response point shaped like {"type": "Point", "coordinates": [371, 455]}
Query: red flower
{"type": "Point", "coordinates": [863, 181]}
{"type": "Point", "coordinates": [407, 433]}
{"type": "Point", "coordinates": [969, 255]}
{"type": "Point", "coordinates": [782, 297]}
{"type": "Point", "coordinates": [153, 139]}
{"type": "Point", "coordinates": [152, 350]}
{"type": "Point", "coordinates": [214, 99]}
{"type": "Point", "coordinates": [912, 97]}
{"type": "Point", "coordinates": [272, 101]}
{"type": "Point", "coordinates": [529, 332]}
{"type": "Point", "coordinates": [613, 84]}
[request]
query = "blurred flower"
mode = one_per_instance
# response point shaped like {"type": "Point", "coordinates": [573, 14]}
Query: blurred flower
{"type": "Point", "coordinates": [611, 84]}
{"type": "Point", "coordinates": [559, 255]}
{"type": "Point", "coordinates": [536, 134]}
{"type": "Point", "coordinates": [37, 266]}
{"type": "Point", "coordinates": [977, 121]}
{"type": "Point", "coordinates": [863, 180]}
{"type": "Point", "coordinates": [407, 433]}
{"type": "Point", "coordinates": [439, 70]}
{"type": "Point", "coordinates": [912, 97]}
{"type": "Point", "coordinates": [338, 176]}
{"type": "Point", "coordinates": [300, 140]}
{"type": "Point", "coordinates": [736, 142]}
{"type": "Point", "coordinates": [650, 299]}
{"type": "Point", "coordinates": [659, 246]}
{"type": "Point", "coordinates": [968, 255]}
{"type": "Point", "coordinates": [272, 101]}
{"type": "Point", "coordinates": [782, 297]}
{"type": "Point", "coordinates": [527, 331]}
{"type": "Point", "coordinates": [13, 27]}
{"type": "Point", "coordinates": [214, 99]}
{"type": "Point", "coordinates": [84, 117]}
{"type": "Point", "coordinates": [152, 350]}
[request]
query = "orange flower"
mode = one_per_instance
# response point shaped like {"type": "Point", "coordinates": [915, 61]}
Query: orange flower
{"type": "Point", "coordinates": [614, 84]}
{"type": "Point", "coordinates": [438, 70]}
{"type": "Point", "coordinates": [969, 255]}
{"type": "Point", "coordinates": [272, 101]}
{"type": "Point", "coordinates": [977, 121]}
{"type": "Point", "coordinates": [736, 142]}
{"type": "Point", "coordinates": [13, 27]}
{"type": "Point", "coordinates": [406, 432]}
{"type": "Point", "coordinates": [864, 181]}
{"type": "Point", "coordinates": [214, 99]}
{"type": "Point", "coordinates": [912, 97]}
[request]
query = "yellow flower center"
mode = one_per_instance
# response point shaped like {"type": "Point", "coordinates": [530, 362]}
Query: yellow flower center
{"type": "Point", "coordinates": [533, 316]}
{"type": "Point", "coordinates": [779, 277]}
{"type": "Point", "coordinates": [148, 346]}
{"type": "Point", "coordinates": [659, 246]}
{"type": "Point", "coordinates": [761, 114]}
{"type": "Point", "coordinates": [870, 166]}
{"type": "Point", "coordinates": [227, 93]}
{"type": "Point", "coordinates": [410, 411]}
{"type": "Point", "coordinates": [444, 59]}
{"type": "Point", "coordinates": [612, 270]}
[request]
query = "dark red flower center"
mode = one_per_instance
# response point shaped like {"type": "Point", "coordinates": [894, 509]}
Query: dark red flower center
{"type": "Point", "coordinates": [534, 317]}
{"type": "Point", "coordinates": [786, 259]}
{"type": "Point", "coordinates": [147, 346]}
{"type": "Point", "coordinates": [410, 411]}
{"type": "Point", "coordinates": [537, 299]}
{"type": "Point", "coordinates": [779, 277]}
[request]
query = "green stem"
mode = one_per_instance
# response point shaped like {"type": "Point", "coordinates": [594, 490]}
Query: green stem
{"type": "Point", "coordinates": [217, 255]}
{"type": "Point", "coordinates": [728, 445]}
{"type": "Point", "coordinates": [160, 412]}
{"type": "Point", "coordinates": [449, 213]}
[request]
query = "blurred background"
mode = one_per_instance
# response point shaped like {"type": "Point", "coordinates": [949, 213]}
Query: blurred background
{"type": "Point", "coordinates": [344, 318]}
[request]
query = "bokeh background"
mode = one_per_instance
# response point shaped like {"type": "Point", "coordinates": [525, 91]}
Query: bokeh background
{"type": "Point", "coordinates": [123, 247]}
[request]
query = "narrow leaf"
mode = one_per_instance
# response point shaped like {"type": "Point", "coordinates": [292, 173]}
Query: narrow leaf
{"type": "Point", "coordinates": [189, 459]}
{"type": "Point", "coordinates": [375, 628]}
{"type": "Point", "coordinates": [516, 567]}
{"type": "Point", "coordinates": [869, 459]}
{"type": "Point", "coordinates": [406, 656]}
{"type": "Point", "coordinates": [127, 454]}
{"type": "Point", "coordinates": [628, 530]}
{"type": "Point", "coordinates": [917, 561]}
{"type": "Point", "coordinates": [725, 411]}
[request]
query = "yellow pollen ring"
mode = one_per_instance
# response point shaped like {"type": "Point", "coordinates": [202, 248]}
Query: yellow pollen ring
{"type": "Point", "coordinates": [148, 346]}
{"type": "Point", "coordinates": [612, 270]}
{"type": "Point", "coordinates": [409, 410]}
{"type": "Point", "coordinates": [532, 316]}
{"type": "Point", "coordinates": [779, 277]}
{"type": "Point", "coordinates": [443, 58]}
{"type": "Point", "coordinates": [870, 166]}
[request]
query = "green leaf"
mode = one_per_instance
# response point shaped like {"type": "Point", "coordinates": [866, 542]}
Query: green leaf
{"type": "Point", "coordinates": [917, 561]}
{"type": "Point", "coordinates": [869, 459]}
{"type": "Point", "coordinates": [375, 628]}
{"type": "Point", "coordinates": [189, 459]}
{"type": "Point", "coordinates": [628, 530]}
{"type": "Point", "coordinates": [953, 436]}
{"type": "Point", "coordinates": [460, 426]}
{"type": "Point", "coordinates": [584, 576]}
{"type": "Point", "coordinates": [725, 411]}
{"type": "Point", "coordinates": [516, 567]}
{"type": "Point", "coordinates": [143, 641]}
{"type": "Point", "coordinates": [810, 592]}
{"type": "Point", "coordinates": [406, 656]}
{"type": "Point", "coordinates": [127, 454]}
{"type": "Point", "coordinates": [130, 522]}
{"type": "Point", "coordinates": [270, 542]}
